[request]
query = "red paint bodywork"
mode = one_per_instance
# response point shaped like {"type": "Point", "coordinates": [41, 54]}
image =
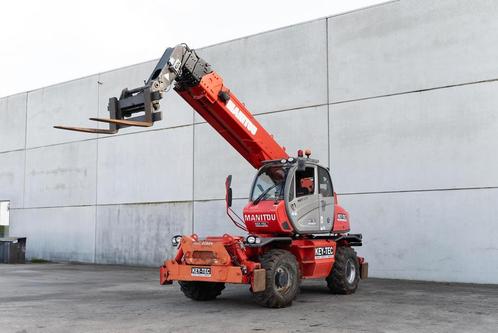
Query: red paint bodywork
{"type": "Point", "coordinates": [268, 218]}
{"type": "Point", "coordinates": [227, 257]}
{"type": "Point", "coordinates": [244, 260]}
{"type": "Point", "coordinates": [341, 225]}
{"type": "Point", "coordinates": [254, 147]}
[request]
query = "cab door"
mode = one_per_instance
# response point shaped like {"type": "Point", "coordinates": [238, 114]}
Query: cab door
{"type": "Point", "coordinates": [303, 203]}
{"type": "Point", "coordinates": [325, 200]}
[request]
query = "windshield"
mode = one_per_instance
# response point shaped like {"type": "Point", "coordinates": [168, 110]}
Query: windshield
{"type": "Point", "coordinates": [270, 183]}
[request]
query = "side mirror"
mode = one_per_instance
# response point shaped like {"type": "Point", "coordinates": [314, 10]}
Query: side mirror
{"type": "Point", "coordinates": [228, 191]}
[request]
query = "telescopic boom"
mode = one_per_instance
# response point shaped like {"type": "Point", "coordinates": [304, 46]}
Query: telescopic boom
{"type": "Point", "coordinates": [201, 87]}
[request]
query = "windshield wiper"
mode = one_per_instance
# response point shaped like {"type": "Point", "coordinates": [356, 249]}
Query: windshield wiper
{"type": "Point", "coordinates": [262, 195]}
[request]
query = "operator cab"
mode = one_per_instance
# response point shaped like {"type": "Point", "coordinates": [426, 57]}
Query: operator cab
{"type": "Point", "coordinates": [294, 196]}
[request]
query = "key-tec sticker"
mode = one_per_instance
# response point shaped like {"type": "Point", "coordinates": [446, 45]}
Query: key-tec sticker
{"type": "Point", "coordinates": [201, 271]}
{"type": "Point", "coordinates": [324, 252]}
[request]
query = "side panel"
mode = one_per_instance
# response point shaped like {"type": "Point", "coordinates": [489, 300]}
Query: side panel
{"type": "Point", "coordinates": [315, 257]}
{"type": "Point", "coordinates": [341, 220]}
{"type": "Point", "coordinates": [267, 218]}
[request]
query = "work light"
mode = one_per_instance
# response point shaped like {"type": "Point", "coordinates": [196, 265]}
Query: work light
{"type": "Point", "coordinates": [251, 239]}
{"type": "Point", "coordinates": [176, 240]}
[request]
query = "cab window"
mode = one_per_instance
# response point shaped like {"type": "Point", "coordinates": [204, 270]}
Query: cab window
{"type": "Point", "coordinates": [325, 183]}
{"type": "Point", "coordinates": [305, 182]}
{"type": "Point", "coordinates": [269, 183]}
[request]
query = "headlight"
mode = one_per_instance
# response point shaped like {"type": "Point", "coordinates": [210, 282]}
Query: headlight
{"type": "Point", "coordinates": [253, 239]}
{"type": "Point", "coordinates": [176, 240]}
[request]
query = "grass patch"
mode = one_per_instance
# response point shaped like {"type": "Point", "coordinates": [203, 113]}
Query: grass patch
{"type": "Point", "coordinates": [39, 261]}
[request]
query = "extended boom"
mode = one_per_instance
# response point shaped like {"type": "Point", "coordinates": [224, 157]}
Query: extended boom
{"type": "Point", "coordinates": [201, 87]}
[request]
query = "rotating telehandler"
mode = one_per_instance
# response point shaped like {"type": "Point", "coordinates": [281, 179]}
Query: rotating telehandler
{"type": "Point", "coordinates": [295, 227]}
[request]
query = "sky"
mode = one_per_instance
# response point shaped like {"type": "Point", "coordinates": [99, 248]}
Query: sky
{"type": "Point", "coordinates": [51, 41]}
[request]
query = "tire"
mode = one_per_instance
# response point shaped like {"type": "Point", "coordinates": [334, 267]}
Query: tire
{"type": "Point", "coordinates": [282, 279]}
{"type": "Point", "coordinates": [345, 275]}
{"type": "Point", "coordinates": [201, 291]}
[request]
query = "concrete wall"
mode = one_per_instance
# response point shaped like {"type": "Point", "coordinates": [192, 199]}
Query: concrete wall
{"type": "Point", "coordinates": [398, 99]}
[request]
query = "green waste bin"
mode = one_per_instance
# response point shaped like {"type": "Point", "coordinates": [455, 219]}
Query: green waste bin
{"type": "Point", "coordinates": [13, 250]}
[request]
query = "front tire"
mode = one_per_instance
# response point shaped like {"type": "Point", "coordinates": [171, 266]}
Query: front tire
{"type": "Point", "coordinates": [201, 291]}
{"type": "Point", "coordinates": [282, 279]}
{"type": "Point", "coordinates": [345, 275]}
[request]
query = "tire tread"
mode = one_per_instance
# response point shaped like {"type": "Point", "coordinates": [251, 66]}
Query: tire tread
{"type": "Point", "coordinates": [268, 297]}
{"type": "Point", "coordinates": [336, 281]}
{"type": "Point", "coordinates": [201, 291]}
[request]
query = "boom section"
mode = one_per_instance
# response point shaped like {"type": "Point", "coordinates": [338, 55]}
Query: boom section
{"type": "Point", "coordinates": [205, 91]}
{"type": "Point", "coordinates": [232, 120]}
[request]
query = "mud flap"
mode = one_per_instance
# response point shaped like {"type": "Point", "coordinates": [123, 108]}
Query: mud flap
{"type": "Point", "coordinates": [364, 270]}
{"type": "Point", "coordinates": [163, 276]}
{"type": "Point", "coordinates": [258, 282]}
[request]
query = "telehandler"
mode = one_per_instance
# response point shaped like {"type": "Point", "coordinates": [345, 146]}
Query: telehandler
{"type": "Point", "coordinates": [295, 227]}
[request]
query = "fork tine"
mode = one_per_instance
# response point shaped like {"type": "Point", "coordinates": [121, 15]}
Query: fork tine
{"type": "Point", "coordinates": [87, 130]}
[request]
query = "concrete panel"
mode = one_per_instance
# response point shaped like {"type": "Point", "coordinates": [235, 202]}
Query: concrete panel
{"type": "Point", "coordinates": [12, 178]}
{"type": "Point", "coordinates": [445, 138]}
{"type": "Point", "coordinates": [63, 233]}
{"type": "Point", "coordinates": [438, 236]}
{"type": "Point", "coordinates": [140, 234]}
{"type": "Point", "coordinates": [13, 122]}
{"type": "Point", "coordinates": [146, 167]}
{"type": "Point", "coordinates": [70, 103]}
{"type": "Point", "coordinates": [61, 175]}
{"type": "Point", "coordinates": [411, 45]}
{"type": "Point", "coordinates": [215, 158]}
{"type": "Point", "coordinates": [300, 129]}
{"type": "Point", "coordinates": [175, 111]}
{"type": "Point", "coordinates": [210, 218]}
{"type": "Point", "coordinates": [277, 70]}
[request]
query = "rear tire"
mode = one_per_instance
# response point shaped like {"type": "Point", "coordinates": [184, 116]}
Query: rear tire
{"type": "Point", "coordinates": [345, 275]}
{"type": "Point", "coordinates": [282, 279]}
{"type": "Point", "coordinates": [201, 291]}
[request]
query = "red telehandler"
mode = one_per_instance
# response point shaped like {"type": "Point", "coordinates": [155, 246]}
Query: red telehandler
{"type": "Point", "coordinates": [296, 228]}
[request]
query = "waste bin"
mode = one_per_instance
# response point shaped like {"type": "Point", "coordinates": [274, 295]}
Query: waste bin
{"type": "Point", "coordinates": [13, 250]}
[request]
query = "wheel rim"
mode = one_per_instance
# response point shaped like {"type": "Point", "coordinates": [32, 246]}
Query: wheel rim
{"type": "Point", "coordinates": [350, 271]}
{"type": "Point", "coordinates": [283, 279]}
